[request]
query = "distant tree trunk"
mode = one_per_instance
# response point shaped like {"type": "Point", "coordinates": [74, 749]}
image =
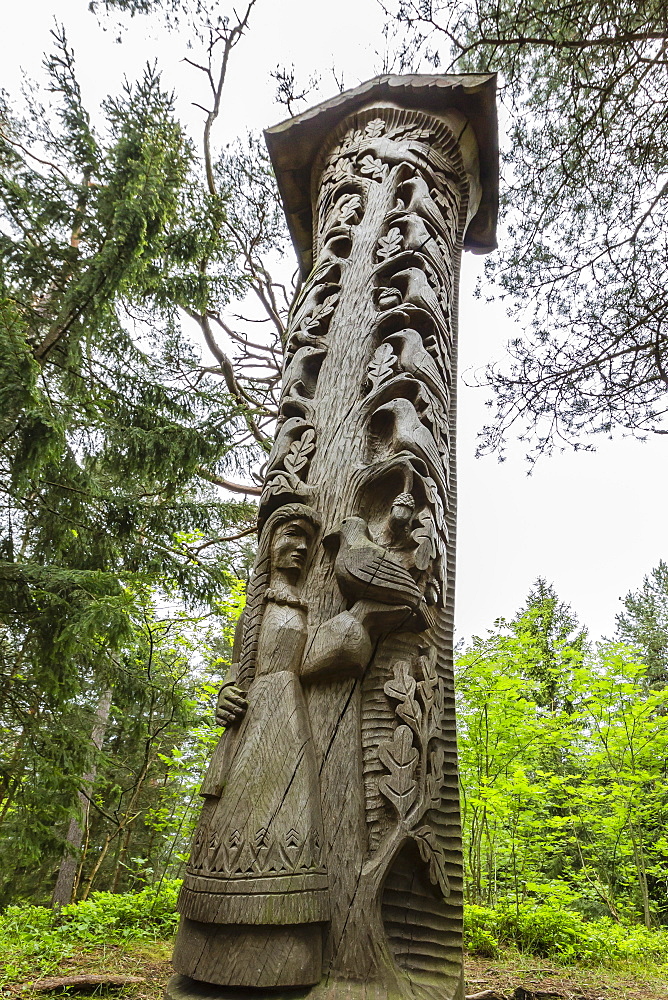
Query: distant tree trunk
{"type": "Point", "coordinates": [639, 858]}
{"type": "Point", "coordinates": [98, 864]}
{"type": "Point", "coordinates": [62, 892]}
{"type": "Point", "coordinates": [130, 817]}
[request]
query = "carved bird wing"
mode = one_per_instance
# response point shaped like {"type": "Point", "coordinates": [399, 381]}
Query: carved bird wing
{"type": "Point", "coordinates": [424, 442]}
{"type": "Point", "coordinates": [415, 358]}
{"type": "Point", "coordinates": [372, 566]}
{"type": "Point", "coordinates": [426, 366]}
{"type": "Point", "coordinates": [410, 433]}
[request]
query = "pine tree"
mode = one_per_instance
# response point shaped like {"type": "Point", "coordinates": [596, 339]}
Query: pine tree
{"type": "Point", "coordinates": [644, 624]}
{"type": "Point", "coordinates": [553, 645]}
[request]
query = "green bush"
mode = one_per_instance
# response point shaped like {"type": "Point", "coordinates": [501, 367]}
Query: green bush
{"type": "Point", "coordinates": [563, 935]}
{"type": "Point", "coordinates": [145, 914]}
{"type": "Point", "coordinates": [36, 936]}
{"type": "Point", "coordinates": [479, 927]}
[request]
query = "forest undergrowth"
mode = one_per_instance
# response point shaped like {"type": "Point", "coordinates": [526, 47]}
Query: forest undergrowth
{"type": "Point", "coordinates": [515, 952]}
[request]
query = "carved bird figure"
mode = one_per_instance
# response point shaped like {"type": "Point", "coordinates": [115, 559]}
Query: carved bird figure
{"type": "Point", "coordinates": [288, 433]}
{"type": "Point", "coordinates": [417, 236]}
{"type": "Point", "coordinates": [419, 198]}
{"type": "Point", "coordinates": [366, 571]}
{"type": "Point", "coordinates": [415, 359]}
{"type": "Point", "coordinates": [415, 289]}
{"type": "Point", "coordinates": [300, 375]}
{"type": "Point", "coordinates": [408, 433]}
{"type": "Point", "coordinates": [317, 288]}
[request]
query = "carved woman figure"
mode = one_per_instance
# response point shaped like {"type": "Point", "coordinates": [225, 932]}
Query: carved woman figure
{"type": "Point", "coordinates": [255, 894]}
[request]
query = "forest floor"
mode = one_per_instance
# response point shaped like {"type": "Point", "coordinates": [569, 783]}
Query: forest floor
{"type": "Point", "coordinates": [513, 977]}
{"type": "Point", "coordinates": [542, 979]}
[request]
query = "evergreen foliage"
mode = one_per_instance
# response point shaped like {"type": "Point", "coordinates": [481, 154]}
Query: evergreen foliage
{"type": "Point", "coordinates": [644, 623]}
{"type": "Point", "coordinates": [111, 431]}
{"type": "Point", "coordinates": [552, 645]}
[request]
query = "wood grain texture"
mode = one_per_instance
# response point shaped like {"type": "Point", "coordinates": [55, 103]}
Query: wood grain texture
{"type": "Point", "coordinates": [184, 988]}
{"type": "Point", "coordinates": [328, 854]}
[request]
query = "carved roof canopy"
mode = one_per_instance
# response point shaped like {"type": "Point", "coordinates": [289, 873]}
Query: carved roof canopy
{"type": "Point", "coordinates": [294, 145]}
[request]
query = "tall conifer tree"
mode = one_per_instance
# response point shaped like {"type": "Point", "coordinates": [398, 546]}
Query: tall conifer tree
{"type": "Point", "coordinates": [111, 429]}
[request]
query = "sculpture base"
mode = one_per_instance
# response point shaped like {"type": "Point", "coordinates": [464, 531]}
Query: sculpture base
{"type": "Point", "coordinates": [184, 988]}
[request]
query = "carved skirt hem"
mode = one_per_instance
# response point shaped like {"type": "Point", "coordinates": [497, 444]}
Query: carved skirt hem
{"type": "Point", "coordinates": [280, 907]}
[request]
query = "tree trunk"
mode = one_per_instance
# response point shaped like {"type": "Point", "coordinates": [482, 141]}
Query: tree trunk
{"type": "Point", "coordinates": [63, 889]}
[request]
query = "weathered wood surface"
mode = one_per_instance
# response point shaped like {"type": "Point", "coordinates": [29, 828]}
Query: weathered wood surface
{"type": "Point", "coordinates": [328, 852]}
{"type": "Point", "coordinates": [184, 988]}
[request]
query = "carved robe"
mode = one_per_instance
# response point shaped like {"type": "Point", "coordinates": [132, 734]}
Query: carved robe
{"type": "Point", "coordinates": [257, 851]}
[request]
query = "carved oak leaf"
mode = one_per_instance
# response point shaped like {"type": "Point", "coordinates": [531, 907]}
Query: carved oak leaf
{"type": "Point", "coordinates": [338, 150]}
{"type": "Point", "coordinates": [411, 712]}
{"type": "Point", "coordinates": [319, 314]}
{"type": "Point", "coordinates": [427, 541]}
{"type": "Point", "coordinates": [428, 666]}
{"type": "Point", "coordinates": [434, 777]}
{"type": "Point", "coordinates": [300, 452]}
{"type": "Point", "coordinates": [431, 853]}
{"type": "Point", "coordinates": [282, 483]}
{"type": "Point", "coordinates": [426, 690]}
{"type": "Point", "coordinates": [400, 758]}
{"type": "Point", "coordinates": [409, 132]}
{"type": "Point", "coordinates": [434, 497]}
{"type": "Point", "coordinates": [371, 167]}
{"type": "Point", "coordinates": [347, 207]}
{"type": "Point", "coordinates": [430, 691]}
{"type": "Point", "coordinates": [402, 684]}
{"type": "Point", "coordinates": [356, 135]}
{"type": "Point", "coordinates": [341, 169]}
{"type": "Point", "coordinates": [382, 365]}
{"type": "Point", "coordinates": [402, 689]}
{"type": "Point", "coordinates": [278, 484]}
{"type": "Point", "coordinates": [390, 245]}
{"type": "Point", "coordinates": [375, 128]}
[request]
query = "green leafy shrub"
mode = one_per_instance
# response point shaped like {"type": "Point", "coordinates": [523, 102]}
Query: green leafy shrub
{"type": "Point", "coordinates": [552, 932]}
{"type": "Point", "coordinates": [145, 914]}
{"type": "Point", "coordinates": [479, 936]}
{"type": "Point", "coordinates": [560, 934]}
{"type": "Point", "coordinates": [36, 937]}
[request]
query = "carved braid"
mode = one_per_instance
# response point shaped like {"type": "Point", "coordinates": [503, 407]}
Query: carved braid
{"type": "Point", "coordinates": [259, 582]}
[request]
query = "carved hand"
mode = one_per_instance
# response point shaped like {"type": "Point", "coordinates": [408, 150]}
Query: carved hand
{"type": "Point", "coordinates": [231, 705]}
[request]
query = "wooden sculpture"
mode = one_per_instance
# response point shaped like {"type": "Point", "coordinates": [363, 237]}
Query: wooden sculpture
{"type": "Point", "coordinates": [327, 858]}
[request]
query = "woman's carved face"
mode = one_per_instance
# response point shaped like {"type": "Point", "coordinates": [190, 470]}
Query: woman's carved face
{"type": "Point", "coordinates": [290, 545]}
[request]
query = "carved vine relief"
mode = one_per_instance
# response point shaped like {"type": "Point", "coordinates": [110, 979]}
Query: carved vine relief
{"type": "Point", "coordinates": [390, 201]}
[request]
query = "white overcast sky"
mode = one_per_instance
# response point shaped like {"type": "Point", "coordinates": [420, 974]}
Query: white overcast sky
{"type": "Point", "coordinates": [590, 523]}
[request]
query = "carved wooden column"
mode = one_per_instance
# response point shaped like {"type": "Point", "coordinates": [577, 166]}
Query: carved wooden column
{"type": "Point", "coordinates": [328, 854]}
